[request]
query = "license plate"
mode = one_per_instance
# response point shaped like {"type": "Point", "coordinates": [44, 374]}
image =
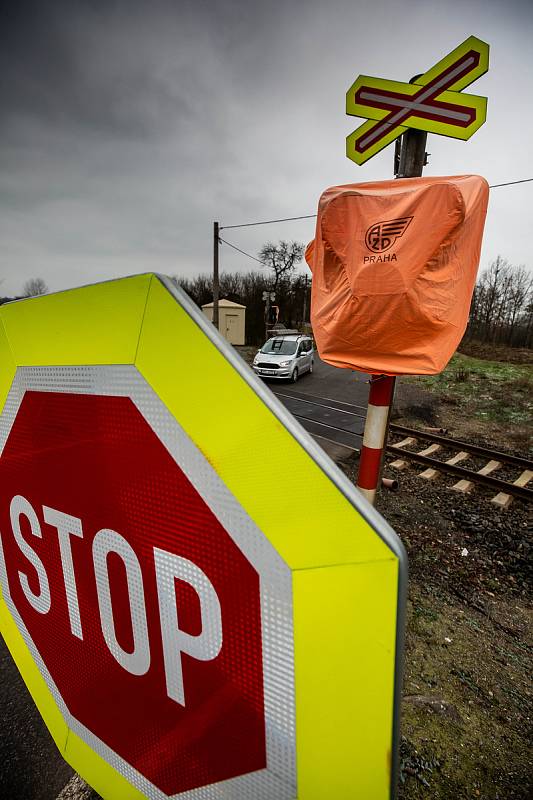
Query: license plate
{"type": "Point", "coordinates": [268, 372]}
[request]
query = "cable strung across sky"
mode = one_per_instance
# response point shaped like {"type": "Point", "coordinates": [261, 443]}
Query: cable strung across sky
{"type": "Point", "coordinates": [310, 216]}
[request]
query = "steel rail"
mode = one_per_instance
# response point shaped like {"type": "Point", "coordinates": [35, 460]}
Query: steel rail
{"type": "Point", "coordinates": [326, 403]}
{"type": "Point", "coordinates": [454, 444]}
{"type": "Point", "coordinates": [475, 477]}
{"type": "Point", "coordinates": [327, 425]}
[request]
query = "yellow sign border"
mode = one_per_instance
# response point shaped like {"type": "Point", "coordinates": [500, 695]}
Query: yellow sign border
{"type": "Point", "coordinates": [451, 95]}
{"type": "Point", "coordinates": [348, 579]}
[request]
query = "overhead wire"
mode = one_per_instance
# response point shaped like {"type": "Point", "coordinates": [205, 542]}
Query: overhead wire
{"type": "Point", "coordinates": [312, 216]}
{"type": "Point", "coordinates": [265, 222]}
{"type": "Point", "coordinates": [239, 250]}
{"type": "Point", "coordinates": [510, 183]}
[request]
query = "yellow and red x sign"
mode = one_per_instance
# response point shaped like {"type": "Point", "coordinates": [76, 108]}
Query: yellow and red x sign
{"type": "Point", "coordinates": [432, 102]}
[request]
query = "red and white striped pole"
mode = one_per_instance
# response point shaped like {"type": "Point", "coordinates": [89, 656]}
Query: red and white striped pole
{"type": "Point", "coordinates": [375, 435]}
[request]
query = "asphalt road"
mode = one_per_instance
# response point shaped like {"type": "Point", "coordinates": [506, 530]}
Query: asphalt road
{"type": "Point", "coordinates": [330, 382]}
{"type": "Point", "coordinates": [329, 420]}
{"type": "Point", "coordinates": [30, 765]}
{"type": "Point", "coordinates": [343, 395]}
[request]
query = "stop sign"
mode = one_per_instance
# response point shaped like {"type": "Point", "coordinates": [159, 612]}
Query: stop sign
{"type": "Point", "coordinates": [143, 611]}
{"type": "Point", "coordinates": [200, 604]}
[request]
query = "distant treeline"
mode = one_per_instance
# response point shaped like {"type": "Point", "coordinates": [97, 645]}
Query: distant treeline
{"type": "Point", "coordinates": [292, 297]}
{"type": "Point", "coordinates": [501, 310]}
{"type": "Point", "coordinates": [502, 306]}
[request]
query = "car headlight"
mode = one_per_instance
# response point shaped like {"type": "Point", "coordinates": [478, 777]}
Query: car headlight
{"type": "Point", "coordinates": [284, 363]}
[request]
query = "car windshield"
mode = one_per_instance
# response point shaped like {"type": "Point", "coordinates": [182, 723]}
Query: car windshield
{"type": "Point", "coordinates": [281, 347]}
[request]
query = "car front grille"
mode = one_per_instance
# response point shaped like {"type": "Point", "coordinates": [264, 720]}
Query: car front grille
{"type": "Point", "coordinates": [267, 365]}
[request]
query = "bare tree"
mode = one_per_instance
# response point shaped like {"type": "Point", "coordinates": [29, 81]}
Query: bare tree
{"type": "Point", "coordinates": [281, 259]}
{"type": "Point", "coordinates": [527, 323]}
{"type": "Point", "coordinates": [491, 284]}
{"type": "Point", "coordinates": [33, 287]}
{"type": "Point", "coordinates": [521, 291]}
{"type": "Point", "coordinates": [231, 286]}
{"type": "Point", "coordinates": [199, 288]}
{"type": "Point", "coordinates": [248, 288]}
{"type": "Point", "coordinates": [500, 312]}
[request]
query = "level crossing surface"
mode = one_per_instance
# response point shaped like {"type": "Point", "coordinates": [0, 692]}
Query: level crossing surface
{"type": "Point", "coordinates": [330, 403]}
{"type": "Point", "coordinates": [325, 418]}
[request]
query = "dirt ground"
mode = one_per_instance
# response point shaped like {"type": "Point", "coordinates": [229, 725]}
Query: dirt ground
{"type": "Point", "coordinates": [467, 691]}
{"type": "Point", "coordinates": [467, 703]}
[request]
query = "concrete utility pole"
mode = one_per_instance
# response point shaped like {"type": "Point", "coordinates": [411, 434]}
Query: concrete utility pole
{"type": "Point", "coordinates": [410, 158]}
{"type": "Point", "coordinates": [215, 274]}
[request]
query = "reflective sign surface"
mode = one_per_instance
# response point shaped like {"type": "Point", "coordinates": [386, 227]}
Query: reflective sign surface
{"type": "Point", "coordinates": [184, 629]}
{"type": "Point", "coordinates": [143, 613]}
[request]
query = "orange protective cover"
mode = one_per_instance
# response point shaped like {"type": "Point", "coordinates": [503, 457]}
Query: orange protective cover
{"type": "Point", "coordinates": [394, 266]}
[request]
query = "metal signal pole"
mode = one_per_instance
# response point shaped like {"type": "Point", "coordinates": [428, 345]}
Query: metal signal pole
{"type": "Point", "coordinates": [409, 161]}
{"type": "Point", "coordinates": [267, 313]}
{"type": "Point", "coordinates": [305, 301]}
{"type": "Point", "coordinates": [216, 242]}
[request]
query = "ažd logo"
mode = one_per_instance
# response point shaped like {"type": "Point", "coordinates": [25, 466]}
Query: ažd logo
{"type": "Point", "coordinates": [382, 235]}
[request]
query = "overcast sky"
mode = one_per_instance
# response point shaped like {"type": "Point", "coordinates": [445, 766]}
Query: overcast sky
{"type": "Point", "coordinates": [128, 127]}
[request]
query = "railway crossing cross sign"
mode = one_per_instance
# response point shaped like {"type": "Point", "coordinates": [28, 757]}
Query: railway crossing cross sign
{"type": "Point", "coordinates": [185, 628]}
{"type": "Point", "coordinates": [432, 102]}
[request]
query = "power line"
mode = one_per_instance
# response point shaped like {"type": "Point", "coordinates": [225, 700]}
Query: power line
{"type": "Point", "coordinates": [266, 222]}
{"type": "Point", "coordinates": [511, 183]}
{"type": "Point", "coordinates": [312, 216]}
{"type": "Point", "coordinates": [239, 250]}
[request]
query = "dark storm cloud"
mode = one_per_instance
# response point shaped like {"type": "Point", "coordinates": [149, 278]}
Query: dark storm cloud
{"type": "Point", "coordinates": [119, 68]}
{"type": "Point", "coordinates": [127, 70]}
{"type": "Point", "coordinates": [74, 64]}
{"type": "Point", "coordinates": [117, 132]}
{"type": "Point", "coordinates": [127, 127]}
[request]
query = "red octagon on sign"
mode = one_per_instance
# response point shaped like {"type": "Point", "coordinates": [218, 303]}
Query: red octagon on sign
{"type": "Point", "coordinates": [143, 609]}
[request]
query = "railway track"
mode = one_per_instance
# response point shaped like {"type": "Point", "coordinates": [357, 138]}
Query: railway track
{"type": "Point", "coordinates": [342, 423]}
{"type": "Point", "coordinates": [491, 461]}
